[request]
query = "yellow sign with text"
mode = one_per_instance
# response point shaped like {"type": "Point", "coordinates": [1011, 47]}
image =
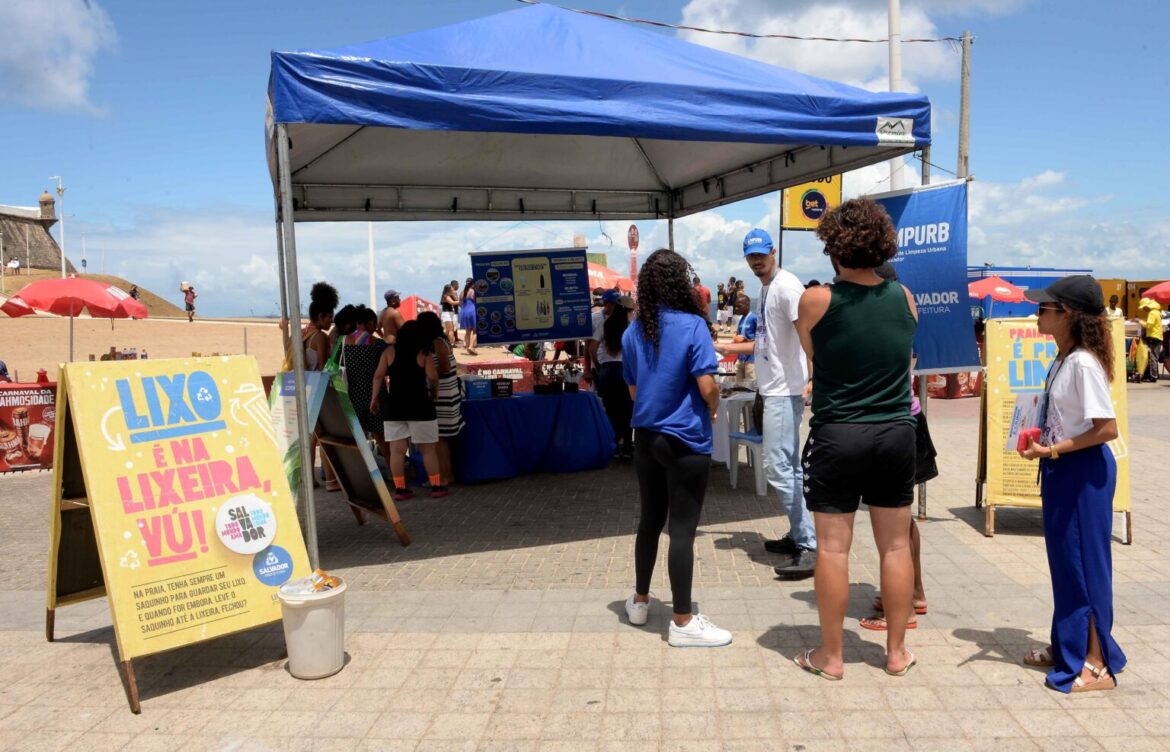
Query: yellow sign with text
{"type": "Point", "coordinates": [194, 525]}
{"type": "Point", "coordinates": [802, 206]}
{"type": "Point", "coordinates": [1018, 360]}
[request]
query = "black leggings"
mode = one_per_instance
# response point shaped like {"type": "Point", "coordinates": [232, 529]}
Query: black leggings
{"type": "Point", "coordinates": [615, 397]}
{"type": "Point", "coordinates": [671, 478]}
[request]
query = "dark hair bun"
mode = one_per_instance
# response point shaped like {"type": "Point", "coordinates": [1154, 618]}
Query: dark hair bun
{"type": "Point", "coordinates": [325, 295]}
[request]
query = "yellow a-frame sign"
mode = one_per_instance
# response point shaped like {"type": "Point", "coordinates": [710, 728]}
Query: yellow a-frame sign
{"type": "Point", "coordinates": [169, 498]}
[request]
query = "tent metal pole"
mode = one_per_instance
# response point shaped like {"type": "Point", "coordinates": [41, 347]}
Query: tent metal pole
{"type": "Point", "coordinates": [280, 266]}
{"type": "Point", "coordinates": [922, 386]}
{"type": "Point", "coordinates": [370, 254]}
{"type": "Point", "coordinates": [670, 233]}
{"type": "Point", "coordinates": [294, 305]}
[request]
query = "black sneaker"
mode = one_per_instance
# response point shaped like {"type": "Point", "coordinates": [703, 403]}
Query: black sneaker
{"type": "Point", "coordinates": [800, 566]}
{"type": "Point", "coordinates": [784, 545]}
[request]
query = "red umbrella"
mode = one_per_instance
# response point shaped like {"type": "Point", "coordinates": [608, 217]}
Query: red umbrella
{"type": "Point", "coordinates": [998, 288]}
{"type": "Point", "coordinates": [1159, 292]}
{"type": "Point", "coordinates": [71, 296]}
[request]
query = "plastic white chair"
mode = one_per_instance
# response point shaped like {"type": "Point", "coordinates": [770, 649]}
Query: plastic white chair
{"type": "Point", "coordinates": [751, 437]}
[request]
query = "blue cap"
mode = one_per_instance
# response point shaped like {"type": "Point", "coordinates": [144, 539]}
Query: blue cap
{"type": "Point", "coordinates": [757, 241]}
{"type": "Point", "coordinates": [610, 296]}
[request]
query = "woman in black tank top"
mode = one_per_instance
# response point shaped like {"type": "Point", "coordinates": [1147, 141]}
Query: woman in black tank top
{"type": "Point", "coordinates": [404, 389]}
{"type": "Point", "coordinates": [861, 442]}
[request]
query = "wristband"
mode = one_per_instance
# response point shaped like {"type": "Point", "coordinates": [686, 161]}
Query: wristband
{"type": "Point", "coordinates": [1052, 453]}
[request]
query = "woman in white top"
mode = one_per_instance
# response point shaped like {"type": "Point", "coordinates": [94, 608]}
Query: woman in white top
{"type": "Point", "coordinates": [1078, 476]}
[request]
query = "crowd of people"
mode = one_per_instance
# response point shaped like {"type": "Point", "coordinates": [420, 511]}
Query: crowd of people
{"type": "Point", "coordinates": [845, 350]}
{"type": "Point", "coordinates": [408, 371]}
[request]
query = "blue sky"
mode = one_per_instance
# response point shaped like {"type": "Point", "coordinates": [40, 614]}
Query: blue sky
{"type": "Point", "coordinates": [153, 114]}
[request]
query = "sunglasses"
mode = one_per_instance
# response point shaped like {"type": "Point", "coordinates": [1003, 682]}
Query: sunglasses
{"type": "Point", "coordinates": [1053, 309]}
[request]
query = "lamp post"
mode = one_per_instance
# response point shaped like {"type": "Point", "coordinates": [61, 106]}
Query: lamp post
{"type": "Point", "coordinates": [61, 207]}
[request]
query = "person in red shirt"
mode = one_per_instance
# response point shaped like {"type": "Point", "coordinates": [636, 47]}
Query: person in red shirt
{"type": "Point", "coordinates": [703, 295]}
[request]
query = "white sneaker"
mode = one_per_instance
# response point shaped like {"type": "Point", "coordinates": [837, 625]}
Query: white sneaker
{"type": "Point", "coordinates": [636, 612]}
{"type": "Point", "coordinates": [699, 632]}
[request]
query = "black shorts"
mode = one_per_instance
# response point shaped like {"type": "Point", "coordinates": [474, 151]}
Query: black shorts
{"type": "Point", "coordinates": [846, 464]}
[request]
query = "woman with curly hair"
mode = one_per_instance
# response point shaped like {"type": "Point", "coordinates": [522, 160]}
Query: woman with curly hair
{"type": "Point", "coordinates": [669, 363]}
{"type": "Point", "coordinates": [858, 334]}
{"type": "Point", "coordinates": [1077, 479]}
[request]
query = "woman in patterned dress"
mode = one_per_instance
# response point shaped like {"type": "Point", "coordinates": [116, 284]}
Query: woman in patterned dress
{"type": "Point", "coordinates": [448, 403]}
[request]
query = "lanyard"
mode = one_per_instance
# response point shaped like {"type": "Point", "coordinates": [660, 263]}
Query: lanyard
{"type": "Point", "coordinates": [762, 320]}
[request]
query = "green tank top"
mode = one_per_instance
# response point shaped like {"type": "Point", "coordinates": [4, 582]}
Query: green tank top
{"type": "Point", "coordinates": [861, 356]}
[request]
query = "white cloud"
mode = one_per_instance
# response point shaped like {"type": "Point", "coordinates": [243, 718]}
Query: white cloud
{"type": "Point", "coordinates": [230, 253]}
{"type": "Point", "coordinates": [1019, 204]}
{"type": "Point", "coordinates": [46, 59]}
{"type": "Point", "coordinates": [864, 65]}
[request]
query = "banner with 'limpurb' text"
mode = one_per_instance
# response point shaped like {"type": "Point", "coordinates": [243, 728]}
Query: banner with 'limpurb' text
{"type": "Point", "coordinates": [932, 262]}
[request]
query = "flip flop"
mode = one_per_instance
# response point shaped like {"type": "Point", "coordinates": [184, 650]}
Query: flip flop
{"type": "Point", "coordinates": [804, 660]}
{"type": "Point", "coordinates": [905, 669]}
{"type": "Point", "coordinates": [877, 606]}
{"type": "Point", "coordinates": [877, 623]}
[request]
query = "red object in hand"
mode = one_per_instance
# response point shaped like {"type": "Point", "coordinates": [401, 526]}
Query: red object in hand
{"type": "Point", "coordinates": [1027, 435]}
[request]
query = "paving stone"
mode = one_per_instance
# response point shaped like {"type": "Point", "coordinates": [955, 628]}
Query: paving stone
{"type": "Point", "coordinates": [502, 628]}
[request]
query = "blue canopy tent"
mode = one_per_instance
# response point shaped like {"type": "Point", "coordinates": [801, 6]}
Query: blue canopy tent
{"type": "Point", "coordinates": [542, 113]}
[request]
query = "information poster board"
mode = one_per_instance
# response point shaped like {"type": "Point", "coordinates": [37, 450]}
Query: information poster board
{"type": "Point", "coordinates": [1018, 361]}
{"type": "Point", "coordinates": [531, 296]}
{"type": "Point", "coordinates": [194, 525]}
{"type": "Point", "coordinates": [27, 415]}
{"type": "Point", "coordinates": [283, 409]}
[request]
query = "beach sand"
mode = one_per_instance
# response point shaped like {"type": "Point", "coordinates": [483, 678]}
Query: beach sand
{"type": "Point", "coordinates": [30, 342]}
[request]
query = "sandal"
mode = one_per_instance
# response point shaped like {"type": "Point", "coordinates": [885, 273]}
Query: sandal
{"type": "Point", "coordinates": [804, 660]}
{"type": "Point", "coordinates": [1040, 658]}
{"type": "Point", "coordinates": [905, 669]}
{"type": "Point", "coordinates": [877, 606]}
{"type": "Point", "coordinates": [1102, 679]}
{"type": "Point", "coordinates": [877, 623]}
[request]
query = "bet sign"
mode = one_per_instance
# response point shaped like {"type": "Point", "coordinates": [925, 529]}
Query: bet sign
{"type": "Point", "coordinates": [802, 206]}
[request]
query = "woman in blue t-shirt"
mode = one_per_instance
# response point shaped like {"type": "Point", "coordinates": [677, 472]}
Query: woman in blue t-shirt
{"type": "Point", "coordinates": [669, 363]}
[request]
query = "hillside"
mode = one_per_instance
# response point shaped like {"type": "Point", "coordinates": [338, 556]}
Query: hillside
{"type": "Point", "coordinates": [158, 307]}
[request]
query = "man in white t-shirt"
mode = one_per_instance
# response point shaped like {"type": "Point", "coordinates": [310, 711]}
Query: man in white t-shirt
{"type": "Point", "coordinates": [782, 375]}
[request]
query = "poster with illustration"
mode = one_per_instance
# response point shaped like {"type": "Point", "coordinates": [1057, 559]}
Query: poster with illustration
{"type": "Point", "coordinates": [27, 414]}
{"type": "Point", "coordinates": [531, 296]}
{"type": "Point", "coordinates": [194, 524]}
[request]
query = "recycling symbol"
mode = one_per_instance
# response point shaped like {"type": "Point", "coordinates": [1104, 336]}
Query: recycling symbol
{"type": "Point", "coordinates": [129, 560]}
{"type": "Point", "coordinates": [203, 395]}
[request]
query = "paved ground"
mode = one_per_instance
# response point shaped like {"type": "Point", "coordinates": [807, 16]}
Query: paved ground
{"type": "Point", "coordinates": [499, 629]}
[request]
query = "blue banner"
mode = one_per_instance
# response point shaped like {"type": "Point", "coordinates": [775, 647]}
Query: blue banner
{"type": "Point", "coordinates": [932, 262]}
{"type": "Point", "coordinates": [531, 296]}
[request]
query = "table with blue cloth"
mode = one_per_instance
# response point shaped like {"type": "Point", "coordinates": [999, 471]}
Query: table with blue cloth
{"type": "Point", "coordinates": [533, 433]}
